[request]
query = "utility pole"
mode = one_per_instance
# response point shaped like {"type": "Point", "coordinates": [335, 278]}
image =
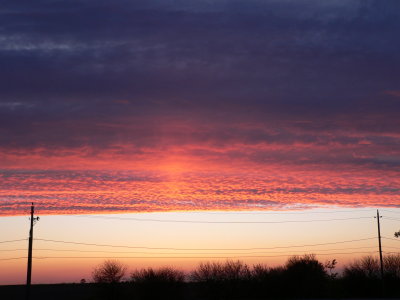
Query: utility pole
{"type": "Point", "coordinates": [29, 271]}
{"type": "Point", "coordinates": [380, 248]}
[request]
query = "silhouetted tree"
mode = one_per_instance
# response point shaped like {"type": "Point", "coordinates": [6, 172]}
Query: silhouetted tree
{"type": "Point", "coordinates": [305, 276]}
{"type": "Point", "coordinates": [267, 282]}
{"type": "Point", "coordinates": [260, 272]}
{"type": "Point", "coordinates": [163, 283]}
{"type": "Point", "coordinates": [168, 275]}
{"type": "Point", "coordinates": [110, 271]}
{"type": "Point", "coordinates": [208, 272]}
{"type": "Point", "coordinates": [235, 271]}
{"type": "Point", "coordinates": [229, 271]}
{"type": "Point", "coordinates": [222, 280]}
{"type": "Point", "coordinates": [367, 266]}
{"type": "Point", "coordinates": [362, 277]}
{"type": "Point", "coordinates": [330, 265]}
{"type": "Point", "coordinates": [108, 275]}
{"type": "Point", "coordinates": [391, 265]}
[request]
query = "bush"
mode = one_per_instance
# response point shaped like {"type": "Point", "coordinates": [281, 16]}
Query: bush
{"type": "Point", "coordinates": [108, 275]}
{"type": "Point", "coordinates": [260, 272]}
{"type": "Point", "coordinates": [362, 277]}
{"type": "Point", "coordinates": [222, 280]}
{"type": "Point", "coordinates": [267, 282]}
{"type": "Point", "coordinates": [391, 265]}
{"type": "Point", "coordinates": [208, 272]}
{"type": "Point", "coordinates": [366, 267]}
{"type": "Point", "coordinates": [305, 276]}
{"type": "Point", "coordinates": [218, 272]}
{"type": "Point", "coordinates": [165, 275]}
{"type": "Point", "coordinates": [163, 283]}
{"type": "Point", "coordinates": [110, 271]}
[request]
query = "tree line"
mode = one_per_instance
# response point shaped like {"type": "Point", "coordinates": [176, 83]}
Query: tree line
{"type": "Point", "coordinates": [300, 277]}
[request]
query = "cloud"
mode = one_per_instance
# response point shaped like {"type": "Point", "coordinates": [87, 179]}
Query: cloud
{"type": "Point", "coordinates": [394, 93]}
{"type": "Point", "coordinates": [66, 192]}
{"type": "Point", "coordinates": [184, 85]}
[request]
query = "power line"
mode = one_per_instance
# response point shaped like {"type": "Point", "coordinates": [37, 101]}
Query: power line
{"type": "Point", "coordinates": [12, 241]}
{"type": "Point", "coordinates": [12, 258]}
{"type": "Point", "coordinates": [277, 212]}
{"type": "Point", "coordinates": [188, 257]}
{"type": "Point", "coordinates": [158, 253]}
{"type": "Point", "coordinates": [191, 257]}
{"type": "Point", "coordinates": [386, 238]}
{"type": "Point", "coordinates": [391, 211]}
{"type": "Point", "coordinates": [199, 249]}
{"type": "Point", "coordinates": [392, 219]}
{"type": "Point", "coordinates": [392, 247]}
{"type": "Point", "coordinates": [221, 222]}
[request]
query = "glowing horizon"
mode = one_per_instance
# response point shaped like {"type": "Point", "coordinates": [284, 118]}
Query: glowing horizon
{"type": "Point", "coordinates": [56, 262]}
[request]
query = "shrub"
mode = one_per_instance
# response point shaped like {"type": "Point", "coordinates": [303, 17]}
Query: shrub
{"type": "Point", "coordinates": [305, 276]}
{"type": "Point", "coordinates": [260, 272]}
{"type": "Point", "coordinates": [361, 277]}
{"type": "Point", "coordinates": [110, 271]}
{"type": "Point", "coordinates": [165, 275]}
{"type": "Point", "coordinates": [267, 282]}
{"type": "Point", "coordinates": [218, 272]}
{"type": "Point", "coordinates": [391, 265]}
{"type": "Point", "coordinates": [163, 283]}
{"type": "Point", "coordinates": [208, 272]}
{"type": "Point", "coordinates": [108, 275]}
{"type": "Point", "coordinates": [366, 267]}
{"type": "Point", "coordinates": [222, 280]}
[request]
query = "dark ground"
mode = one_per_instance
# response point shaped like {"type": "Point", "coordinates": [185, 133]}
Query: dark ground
{"type": "Point", "coordinates": [91, 291]}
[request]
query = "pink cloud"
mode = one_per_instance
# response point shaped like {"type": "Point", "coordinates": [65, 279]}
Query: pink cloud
{"type": "Point", "coordinates": [395, 93]}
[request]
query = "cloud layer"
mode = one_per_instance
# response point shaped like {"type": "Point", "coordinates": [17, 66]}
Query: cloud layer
{"type": "Point", "coordinates": [64, 192]}
{"type": "Point", "coordinates": [302, 93]}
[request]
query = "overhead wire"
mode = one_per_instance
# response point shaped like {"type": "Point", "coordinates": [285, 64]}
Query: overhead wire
{"type": "Point", "coordinates": [227, 255]}
{"type": "Point", "coordinates": [221, 222]}
{"type": "Point", "coordinates": [390, 211]}
{"type": "Point", "coordinates": [200, 249]}
{"type": "Point", "coordinates": [386, 238]}
{"type": "Point", "coordinates": [293, 212]}
{"type": "Point", "coordinates": [392, 219]}
{"type": "Point", "coordinates": [182, 253]}
{"type": "Point", "coordinates": [191, 257]}
{"type": "Point", "coordinates": [12, 241]}
{"type": "Point", "coordinates": [12, 258]}
{"type": "Point", "coordinates": [208, 249]}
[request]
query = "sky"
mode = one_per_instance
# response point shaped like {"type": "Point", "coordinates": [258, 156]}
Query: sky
{"type": "Point", "coordinates": [160, 109]}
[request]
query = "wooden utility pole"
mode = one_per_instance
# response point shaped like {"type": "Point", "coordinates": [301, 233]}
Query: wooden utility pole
{"type": "Point", "coordinates": [380, 248]}
{"type": "Point", "coordinates": [29, 270]}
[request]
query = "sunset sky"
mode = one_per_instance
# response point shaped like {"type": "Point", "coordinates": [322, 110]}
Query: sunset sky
{"type": "Point", "coordinates": [123, 120]}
